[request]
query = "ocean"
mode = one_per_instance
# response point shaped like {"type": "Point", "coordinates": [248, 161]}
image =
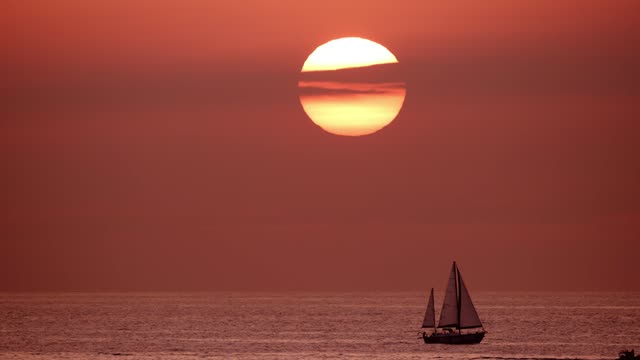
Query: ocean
{"type": "Point", "coordinates": [323, 325]}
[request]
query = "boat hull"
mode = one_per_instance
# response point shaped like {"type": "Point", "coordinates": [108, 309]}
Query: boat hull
{"type": "Point", "coordinates": [454, 339]}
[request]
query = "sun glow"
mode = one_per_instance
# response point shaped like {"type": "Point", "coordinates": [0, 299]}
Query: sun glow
{"type": "Point", "coordinates": [351, 87]}
{"type": "Point", "coordinates": [347, 53]}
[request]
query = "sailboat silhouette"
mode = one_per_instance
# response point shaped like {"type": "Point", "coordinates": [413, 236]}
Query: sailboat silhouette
{"type": "Point", "coordinates": [459, 321]}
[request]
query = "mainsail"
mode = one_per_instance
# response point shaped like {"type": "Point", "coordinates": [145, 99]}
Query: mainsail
{"type": "Point", "coordinates": [430, 315]}
{"type": "Point", "coordinates": [457, 309]}
{"type": "Point", "coordinates": [468, 315]}
{"type": "Point", "coordinates": [449, 313]}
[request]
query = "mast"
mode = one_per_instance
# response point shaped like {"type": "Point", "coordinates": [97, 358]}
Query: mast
{"type": "Point", "coordinates": [433, 310]}
{"type": "Point", "coordinates": [458, 295]}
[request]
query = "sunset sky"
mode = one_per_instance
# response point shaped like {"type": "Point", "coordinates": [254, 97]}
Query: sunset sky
{"type": "Point", "coordinates": [161, 145]}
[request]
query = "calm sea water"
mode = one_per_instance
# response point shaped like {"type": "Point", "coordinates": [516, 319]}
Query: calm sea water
{"type": "Point", "coordinates": [309, 325]}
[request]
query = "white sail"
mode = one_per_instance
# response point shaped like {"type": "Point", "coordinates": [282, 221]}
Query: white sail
{"type": "Point", "coordinates": [468, 315]}
{"type": "Point", "coordinates": [449, 313]}
{"type": "Point", "coordinates": [430, 315]}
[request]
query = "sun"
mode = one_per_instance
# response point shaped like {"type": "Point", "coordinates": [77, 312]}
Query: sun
{"type": "Point", "coordinates": [346, 53]}
{"type": "Point", "coordinates": [351, 87]}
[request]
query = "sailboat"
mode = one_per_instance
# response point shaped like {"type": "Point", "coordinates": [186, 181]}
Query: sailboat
{"type": "Point", "coordinates": [459, 322]}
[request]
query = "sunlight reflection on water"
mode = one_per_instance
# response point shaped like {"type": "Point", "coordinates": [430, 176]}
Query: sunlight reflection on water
{"type": "Point", "coordinates": [308, 325]}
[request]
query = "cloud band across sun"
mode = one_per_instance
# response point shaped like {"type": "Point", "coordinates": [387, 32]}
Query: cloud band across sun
{"type": "Point", "coordinates": [347, 52]}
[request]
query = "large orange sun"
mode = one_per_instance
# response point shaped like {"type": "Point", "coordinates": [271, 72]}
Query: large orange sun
{"type": "Point", "coordinates": [351, 86]}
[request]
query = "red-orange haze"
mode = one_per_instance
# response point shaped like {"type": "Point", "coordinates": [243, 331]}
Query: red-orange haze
{"type": "Point", "coordinates": [161, 145]}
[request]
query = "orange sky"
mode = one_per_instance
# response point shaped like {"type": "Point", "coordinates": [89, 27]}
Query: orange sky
{"type": "Point", "coordinates": [161, 145]}
{"type": "Point", "coordinates": [257, 33]}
